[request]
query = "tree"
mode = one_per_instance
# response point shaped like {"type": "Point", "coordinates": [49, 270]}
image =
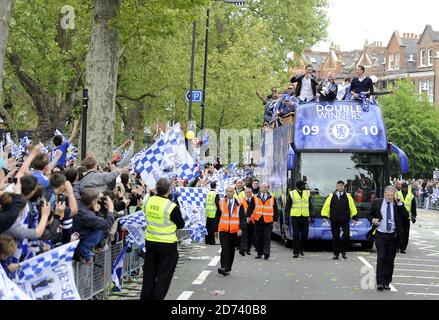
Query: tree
{"type": "Point", "coordinates": [412, 124]}
{"type": "Point", "coordinates": [5, 14]}
{"type": "Point", "coordinates": [45, 63]}
{"type": "Point", "coordinates": [102, 70]}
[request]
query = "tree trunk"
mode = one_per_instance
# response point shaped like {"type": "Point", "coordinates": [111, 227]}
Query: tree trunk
{"type": "Point", "coordinates": [101, 80]}
{"type": "Point", "coordinates": [5, 14]}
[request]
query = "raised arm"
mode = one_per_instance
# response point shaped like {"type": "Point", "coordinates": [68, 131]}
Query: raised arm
{"type": "Point", "coordinates": [74, 131]}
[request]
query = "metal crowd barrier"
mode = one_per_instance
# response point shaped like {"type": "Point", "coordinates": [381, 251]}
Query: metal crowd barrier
{"type": "Point", "coordinates": [427, 203]}
{"type": "Point", "coordinates": [94, 280]}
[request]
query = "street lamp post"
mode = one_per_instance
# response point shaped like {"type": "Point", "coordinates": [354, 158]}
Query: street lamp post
{"type": "Point", "coordinates": [206, 52]}
{"type": "Point", "coordinates": [194, 29]}
{"type": "Point", "coordinates": [206, 55]}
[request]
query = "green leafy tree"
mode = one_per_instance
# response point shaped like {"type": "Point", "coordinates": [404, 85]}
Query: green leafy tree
{"type": "Point", "coordinates": [412, 124]}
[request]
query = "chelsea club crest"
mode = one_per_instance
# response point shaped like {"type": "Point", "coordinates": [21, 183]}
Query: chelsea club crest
{"type": "Point", "coordinates": [341, 131]}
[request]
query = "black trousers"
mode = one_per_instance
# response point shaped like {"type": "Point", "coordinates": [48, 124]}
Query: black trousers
{"type": "Point", "coordinates": [406, 235]}
{"type": "Point", "coordinates": [247, 238]}
{"type": "Point", "coordinates": [228, 245]}
{"type": "Point", "coordinates": [211, 227]}
{"type": "Point", "coordinates": [158, 270]}
{"type": "Point", "coordinates": [386, 245]}
{"type": "Point", "coordinates": [340, 246]}
{"type": "Point", "coordinates": [300, 233]}
{"type": "Point", "coordinates": [263, 238]}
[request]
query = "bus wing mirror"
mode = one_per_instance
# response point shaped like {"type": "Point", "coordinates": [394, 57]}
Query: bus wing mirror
{"type": "Point", "coordinates": [291, 159]}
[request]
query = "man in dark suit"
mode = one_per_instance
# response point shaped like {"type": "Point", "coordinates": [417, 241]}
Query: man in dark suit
{"type": "Point", "coordinates": [387, 215]}
{"type": "Point", "coordinates": [306, 89]}
{"type": "Point", "coordinates": [247, 207]}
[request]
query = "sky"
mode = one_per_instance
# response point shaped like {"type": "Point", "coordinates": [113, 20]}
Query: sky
{"type": "Point", "coordinates": [353, 21]}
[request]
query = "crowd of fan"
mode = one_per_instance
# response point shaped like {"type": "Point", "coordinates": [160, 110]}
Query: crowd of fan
{"type": "Point", "coordinates": [46, 203]}
{"type": "Point", "coordinates": [424, 189]}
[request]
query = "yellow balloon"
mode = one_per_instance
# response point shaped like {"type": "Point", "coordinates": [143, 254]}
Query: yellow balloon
{"type": "Point", "coordinates": [190, 135]}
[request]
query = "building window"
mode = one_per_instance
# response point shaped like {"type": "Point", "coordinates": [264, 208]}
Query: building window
{"type": "Point", "coordinates": [423, 60]}
{"type": "Point", "coordinates": [390, 62]}
{"type": "Point", "coordinates": [397, 61]}
{"type": "Point", "coordinates": [430, 90]}
{"type": "Point", "coordinates": [430, 57]}
{"type": "Point", "coordinates": [422, 86]}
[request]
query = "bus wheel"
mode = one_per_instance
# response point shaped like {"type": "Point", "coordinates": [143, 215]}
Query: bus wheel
{"type": "Point", "coordinates": [288, 243]}
{"type": "Point", "coordinates": [366, 245]}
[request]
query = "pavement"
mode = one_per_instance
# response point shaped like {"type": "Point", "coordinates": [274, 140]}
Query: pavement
{"type": "Point", "coordinates": [312, 277]}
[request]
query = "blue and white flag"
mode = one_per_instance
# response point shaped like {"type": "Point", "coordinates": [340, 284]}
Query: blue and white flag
{"type": "Point", "coordinates": [49, 276]}
{"type": "Point", "coordinates": [135, 224]}
{"type": "Point", "coordinates": [15, 151]}
{"type": "Point", "coordinates": [192, 203]}
{"type": "Point", "coordinates": [117, 270]}
{"type": "Point", "coordinates": [167, 154]}
{"type": "Point", "coordinates": [365, 102]}
{"type": "Point", "coordinates": [9, 290]}
{"type": "Point", "coordinates": [435, 196]}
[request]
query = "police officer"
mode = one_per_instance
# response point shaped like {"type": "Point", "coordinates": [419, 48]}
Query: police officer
{"type": "Point", "coordinates": [300, 207]}
{"type": "Point", "coordinates": [247, 207]}
{"type": "Point", "coordinates": [212, 201]}
{"type": "Point", "coordinates": [230, 226]}
{"type": "Point", "coordinates": [264, 215]}
{"type": "Point", "coordinates": [408, 198]}
{"type": "Point", "coordinates": [163, 218]}
{"type": "Point", "coordinates": [340, 208]}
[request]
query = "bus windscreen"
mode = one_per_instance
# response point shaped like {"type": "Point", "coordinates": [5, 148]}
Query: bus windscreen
{"type": "Point", "coordinates": [363, 174]}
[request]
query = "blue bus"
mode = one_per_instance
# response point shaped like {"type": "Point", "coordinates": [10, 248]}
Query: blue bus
{"type": "Point", "coordinates": [325, 142]}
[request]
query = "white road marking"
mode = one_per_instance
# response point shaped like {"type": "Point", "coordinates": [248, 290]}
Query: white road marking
{"type": "Point", "coordinates": [199, 258]}
{"type": "Point", "coordinates": [219, 251]}
{"type": "Point", "coordinates": [436, 232]}
{"type": "Point", "coordinates": [416, 270]}
{"type": "Point", "coordinates": [214, 261]}
{"type": "Point", "coordinates": [365, 262]}
{"type": "Point", "coordinates": [398, 259]}
{"type": "Point", "coordinates": [417, 284]}
{"type": "Point", "coordinates": [414, 232]}
{"type": "Point", "coordinates": [185, 295]}
{"type": "Point", "coordinates": [392, 288]}
{"type": "Point", "coordinates": [416, 277]}
{"type": "Point", "coordinates": [202, 277]}
{"type": "Point", "coordinates": [423, 294]}
{"type": "Point", "coordinates": [419, 265]}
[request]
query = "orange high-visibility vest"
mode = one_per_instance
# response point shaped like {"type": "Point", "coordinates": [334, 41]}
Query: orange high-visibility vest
{"type": "Point", "coordinates": [264, 209]}
{"type": "Point", "coordinates": [245, 204]}
{"type": "Point", "coordinates": [228, 222]}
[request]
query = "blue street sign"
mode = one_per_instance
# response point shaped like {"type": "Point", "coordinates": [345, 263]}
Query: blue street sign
{"type": "Point", "coordinates": [197, 96]}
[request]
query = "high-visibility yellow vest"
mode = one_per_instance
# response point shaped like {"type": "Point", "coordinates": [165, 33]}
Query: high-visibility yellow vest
{"type": "Point", "coordinates": [327, 206]}
{"type": "Point", "coordinates": [300, 207]}
{"type": "Point", "coordinates": [159, 227]}
{"type": "Point", "coordinates": [407, 201]}
{"type": "Point", "coordinates": [210, 204]}
{"type": "Point", "coordinates": [239, 195]}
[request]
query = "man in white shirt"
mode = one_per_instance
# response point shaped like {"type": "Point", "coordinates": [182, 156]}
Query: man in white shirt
{"type": "Point", "coordinates": [306, 88]}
